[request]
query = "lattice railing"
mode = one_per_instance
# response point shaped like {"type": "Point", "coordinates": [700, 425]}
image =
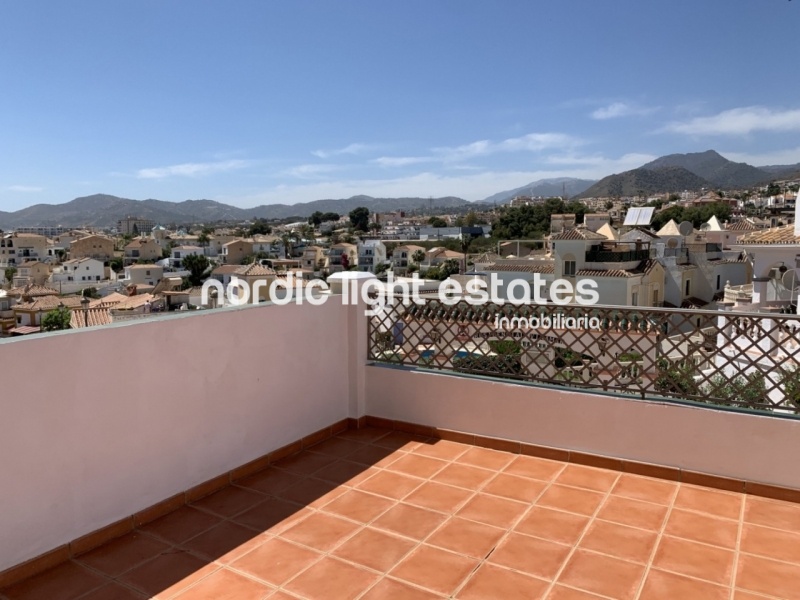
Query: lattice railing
{"type": "Point", "coordinates": [747, 360]}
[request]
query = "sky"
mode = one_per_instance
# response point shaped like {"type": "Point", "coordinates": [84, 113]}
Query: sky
{"type": "Point", "coordinates": [255, 102]}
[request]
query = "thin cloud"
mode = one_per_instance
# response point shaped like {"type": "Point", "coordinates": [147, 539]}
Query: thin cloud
{"type": "Point", "coordinates": [311, 170]}
{"type": "Point", "coordinates": [532, 142]}
{"type": "Point", "coordinates": [351, 149]}
{"type": "Point", "coordinates": [192, 169]}
{"type": "Point", "coordinates": [738, 121]}
{"type": "Point", "coordinates": [790, 156]}
{"type": "Point", "coordinates": [25, 189]}
{"type": "Point", "coordinates": [602, 164]}
{"type": "Point", "coordinates": [402, 161]}
{"type": "Point", "coordinates": [616, 110]}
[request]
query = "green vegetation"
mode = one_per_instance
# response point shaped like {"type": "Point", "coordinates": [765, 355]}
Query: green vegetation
{"type": "Point", "coordinates": [259, 227]}
{"type": "Point", "coordinates": [501, 364]}
{"type": "Point", "coordinates": [676, 377]}
{"type": "Point", "coordinates": [318, 217]}
{"type": "Point", "coordinates": [696, 214]}
{"type": "Point", "coordinates": [505, 347]}
{"type": "Point", "coordinates": [9, 274]}
{"type": "Point", "coordinates": [791, 386]}
{"type": "Point", "coordinates": [197, 266]}
{"type": "Point", "coordinates": [57, 319]}
{"type": "Point", "coordinates": [532, 221]}
{"type": "Point", "coordinates": [359, 218]}
{"type": "Point", "coordinates": [445, 270]}
{"type": "Point", "coordinates": [437, 222]}
{"type": "Point", "coordinates": [750, 388]}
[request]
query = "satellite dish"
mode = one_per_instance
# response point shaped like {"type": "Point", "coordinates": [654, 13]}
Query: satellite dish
{"type": "Point", "coordinates": [790, 280]}
{"type": "Point", "coordinates": [686, 228]}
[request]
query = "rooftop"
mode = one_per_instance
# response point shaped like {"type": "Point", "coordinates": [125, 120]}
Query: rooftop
{"type": "Point", "coordinates": [373, 513]}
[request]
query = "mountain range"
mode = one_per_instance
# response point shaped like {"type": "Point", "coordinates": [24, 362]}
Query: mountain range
{"type": "Point", "coordinates": [546, 188]}
{"type": "Point", "coordinates": [671, 173]}
{"type": "Point", "coordinates": [103, 210]}
{"type": "Point", "coordinates": [693, 171]}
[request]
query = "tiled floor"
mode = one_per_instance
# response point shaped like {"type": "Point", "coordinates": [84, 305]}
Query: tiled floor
{"type": "Point", "coordinates": [380, 515]}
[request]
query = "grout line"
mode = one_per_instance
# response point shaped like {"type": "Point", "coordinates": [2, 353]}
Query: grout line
{"type": "Point", "coordinates": [592, 517]}
{"type": "Point", "coordinates": [659, 537]}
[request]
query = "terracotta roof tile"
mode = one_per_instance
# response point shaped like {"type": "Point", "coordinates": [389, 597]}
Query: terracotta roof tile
{"type": "Point", "coordinates": [776, 236]}
{"type": "Point", "coordinates": [92, 317]}
{"type": "Point", "coordinates": [577, 234]}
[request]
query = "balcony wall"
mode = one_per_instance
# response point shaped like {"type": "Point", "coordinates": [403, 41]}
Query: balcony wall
{"type": "Point", "coordinates": [102, 423]}
{"type": "Point", "coordinates": [738, 445]}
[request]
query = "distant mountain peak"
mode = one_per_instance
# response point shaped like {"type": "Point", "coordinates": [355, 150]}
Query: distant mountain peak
{"type": "Point", "coordinates": [713, 167]}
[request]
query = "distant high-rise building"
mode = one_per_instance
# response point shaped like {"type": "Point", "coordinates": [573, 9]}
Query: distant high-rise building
{"type": "Point", "coordinates": [135, 225]}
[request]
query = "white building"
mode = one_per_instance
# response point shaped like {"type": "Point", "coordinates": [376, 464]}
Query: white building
{"type": "Point", "coordinates": [79, 269]}
{"type": "Point", "coordinates": [371, 253]}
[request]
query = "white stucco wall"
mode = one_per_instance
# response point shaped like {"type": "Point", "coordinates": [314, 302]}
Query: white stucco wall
{"type": "Point", "coordinates": [143, 424]}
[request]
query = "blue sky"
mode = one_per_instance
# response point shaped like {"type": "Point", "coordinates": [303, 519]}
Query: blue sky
{"type": "Point", "coordinates": [253, 102]}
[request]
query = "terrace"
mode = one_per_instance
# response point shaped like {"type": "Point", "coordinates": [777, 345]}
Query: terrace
{"type": "Point", "coordinates": [233, 474]}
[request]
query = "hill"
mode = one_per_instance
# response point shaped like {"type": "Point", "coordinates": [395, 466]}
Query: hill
{"type": "Point", "coordinates": [713, 167]}
{"type": "Point", "coordinates": [103, 210]}
{"type": "Point", "coordinates": [547, 188]}
{"type": "Point", "coordinates": [646, 181]}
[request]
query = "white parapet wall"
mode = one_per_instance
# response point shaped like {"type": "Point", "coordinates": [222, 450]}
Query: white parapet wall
{"type": "Point", "coordinates": [101, 423]}
{"type": "Point", "coordinates": [731, 444]}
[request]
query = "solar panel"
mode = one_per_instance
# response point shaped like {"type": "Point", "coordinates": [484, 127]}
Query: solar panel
{"type": "Point", "coordinates": [639, 216]}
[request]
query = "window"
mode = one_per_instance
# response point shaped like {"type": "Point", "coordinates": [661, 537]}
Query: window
{"type": "Point", "coordinates": [688, 287]}
{"type": "Point", "coordinates": [569, 268]}
{"type": "Point", "coordinates": [655, 297]}
{"type": "Point", "coordinates": [718, 281]}
{"type": "Point", "coordinates": [635, 299]}
{"type": "Point", "coordinates": [147, 273]}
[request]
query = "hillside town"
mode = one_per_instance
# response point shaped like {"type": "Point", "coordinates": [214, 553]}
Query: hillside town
{"type": "Point", "coordinates": [56, 278]}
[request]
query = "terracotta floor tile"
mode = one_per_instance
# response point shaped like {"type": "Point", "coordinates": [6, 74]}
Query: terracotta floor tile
{"type": "Point", "coordinates": [321, 531]}
{"type": "Point", "coordinates": [582, 502]}
{"type": "Point", "coordinates": [515, 488]}
{"type": "Point", "coordinates": [66, 581]}
{"type": "Point", "coordinates": [701, 561]}
{"type": "Point", "coordinates": [589, 478]}
{"type": "Point", "coordinates": [270, 481]}
{"type": "Point", "coordinates": [359, 506]}
{"type": "Point", "coordinates": [635, 513]}
{"type": "Point", "coordinates": [374, 549]}
{"type": "Point", "coordinates": [123, 554]}
{"type": "Point", "coordinates": [345, 472]}
{"type": "Point", "coordinates": [717, 503]}
{"type": "Point", "coordinates": [670, 586]}
{"type": "Point", "coordinates": [438, 496]}
{"type": "Point", "coordinates": [772, 513]}
{"type": "Point", "coordinates": [391, 485]}
{"type": "Point", "coordinates": [465, 476]}
{"type": "Point", "coordinates": [740, 595]}
{"type": "Point", "coordinates": [225, 585]}
{"type": "Point", "coordinates": [444, 449]}
{"type": "Point", "coordinates": [389, 589]}
{"type": "Point", "coordinates": [435, 569]}
{"type": "Point", "coordinates": [182, 524]}
{"type": "Point", "coordinates": [531, 555]}
{"type": "Point", "coordinates": [305, 463]}
{"type": "Point", "coordinates": [645, 488]}
{"type": "Point", "coordinates": [337, 447]}
{"type": "Point", "coordinates": [168, 573]}
{"type": "Point", "coordinates": [621, 541]}
{"type": "Point", "coordinates": [491, 582]}
{"type": "Point", "coordinates": [273, 515]}
{"type": "Point", "coordinates": [224, 542]}
{"type": "Point", "coordinates": [560, 592]}
{"type": "Point", "coordinates": [603, 575]}
{"type": "Point", "coordinates": [276, 561]}
{"type": "Point", "coordinates": [769, 577]}
{"type": "Point", "coordinates": [312, 492]}
{"type": "Point", "coordinates": [535, 468]}
{"type": "Point", "coordinates": [466, 537]}
{"type": "Point", "coordinates": [365, 435]}
{"type": "Point", "coordinates": [114, 591]}
{"type": "Point", "coordinates": [418, 466]}
{"type": "Point", "coordinates": [500, 512]}
{"type": "Point", "coordinates": [410, 521]}
{"type": "Point", "coordinates": [486, 458]}
{"type": "Point", "coordinates": [229, 501]}
{"type": "Point", "coordinates": [331, 579]}
{"type": "Point", "coordinates": [702, 528]}
{"type": "Point", "coordinates": [398, 440]}
{"type": "Point", "coordinates": [771, 543]}
{"type": "Point", "coordinates": [553, 525]}
{"type": "Point", "coordinates": [374, 456]}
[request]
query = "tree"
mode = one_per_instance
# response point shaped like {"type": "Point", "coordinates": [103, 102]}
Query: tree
{"type": "Point", "coordinates": [471, 219]}
{"type": "Point", "coordinates": [609, 205]}
{"type": "Point", "coordinates": [116, 264]}
{"type": "Point", "coordinates": [57, 319]}
{"type": "Point", "coordinates": [375, 227]}
{"type": "Point", "coordinates": [203, 238]}
{"type": "Point", "coordinates": [196, 264]}
{"type": "Point", "coordinates": [418, 256]}
{"type": "Point", "coordinates": [259, 227]}
{"type": "Point", "coordinates": [359, 218]}
{"type": "Point", "coordinates": [438, 222]}
{"type": "Point", "coordinates": [9, 274]}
